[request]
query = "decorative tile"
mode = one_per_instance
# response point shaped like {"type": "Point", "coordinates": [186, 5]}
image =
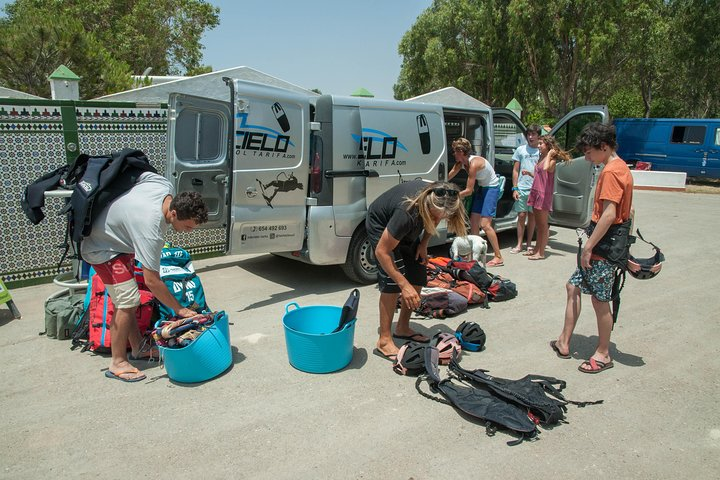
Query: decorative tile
{"type": "Point", "coordinates": [32, 144]}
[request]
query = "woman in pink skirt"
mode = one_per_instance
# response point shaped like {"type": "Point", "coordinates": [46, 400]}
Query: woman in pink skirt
{"type": "Point", "coordinates": [541, 194]}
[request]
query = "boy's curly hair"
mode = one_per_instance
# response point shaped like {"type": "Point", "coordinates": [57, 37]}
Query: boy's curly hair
{"type": "Point", "coordinates": [190, 205]}
{"type": "Point", "coordinates": [594, 135]}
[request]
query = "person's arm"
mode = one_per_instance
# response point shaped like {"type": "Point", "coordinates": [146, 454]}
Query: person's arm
{"type": "Point", "coordinates": [606, 220]}
{"type": "Point", "coordinates": [421, 252]}
{"type": "Point", "coordinates": [454, 170]}
{"type": "Point", "coordinates": [161, 292]}
{"type": "Point", "coordinates": [550, 161]}
{"type": "Point", "coordinates": [516, 177]}
{"type": "Point", "coordinates": [383, 254]}
{"type": "Point", "coordinates": [476, 163]}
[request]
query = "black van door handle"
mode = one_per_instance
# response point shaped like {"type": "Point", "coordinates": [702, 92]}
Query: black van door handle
{"type": "Point", "coordinates": [196, 182]}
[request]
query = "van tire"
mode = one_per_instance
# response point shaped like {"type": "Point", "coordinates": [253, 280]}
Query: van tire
{"type": "Point", "coordinates": [361, 265]}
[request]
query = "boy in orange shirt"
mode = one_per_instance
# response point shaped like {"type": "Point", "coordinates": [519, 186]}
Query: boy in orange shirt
{"type": "Point", "coordinates": [612, 205]}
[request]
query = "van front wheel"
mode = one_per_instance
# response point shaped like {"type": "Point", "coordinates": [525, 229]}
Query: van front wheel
{"type": "Point", "coordinates": [361, 265]}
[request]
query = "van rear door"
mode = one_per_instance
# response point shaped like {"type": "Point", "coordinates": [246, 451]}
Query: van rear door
{"type": "Point", "coordinates": [198, 157]}
{"type": "Point", "coordinates": [575, 180]}
{"type": "Point", "coordinates": [270, 172]}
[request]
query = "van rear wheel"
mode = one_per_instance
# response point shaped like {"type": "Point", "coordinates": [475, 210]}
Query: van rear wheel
{"type": "Point", "coordinates": [361, 265]}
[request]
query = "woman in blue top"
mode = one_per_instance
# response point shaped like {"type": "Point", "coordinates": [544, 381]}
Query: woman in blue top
{"type": "Point", "coordinates": [485, 200]}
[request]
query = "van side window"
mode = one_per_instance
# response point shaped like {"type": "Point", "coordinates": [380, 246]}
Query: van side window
{"type": "Point", "coordinates": [693, 135]}
{"type": "Point", "coordinates": [198, 136]}
{"type": "Point", "coordinates": [717, 136]}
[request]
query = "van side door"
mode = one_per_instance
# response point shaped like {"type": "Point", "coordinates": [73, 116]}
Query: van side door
{"type": "Point", "coordinates": [575, 180]}
{"type": "Point", "coordinates": [398, 143]}
{"type": "Point", "coordinates": [198, 157]}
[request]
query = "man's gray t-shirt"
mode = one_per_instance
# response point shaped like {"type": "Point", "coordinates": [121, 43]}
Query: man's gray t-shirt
{"type": "Point", "coordinates": [134, 223]}
{"type": "Point", "coordinates": [528, 157]}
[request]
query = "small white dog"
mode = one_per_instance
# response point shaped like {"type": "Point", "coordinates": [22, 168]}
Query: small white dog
{"type": "Point", "coordinates": [470, 247]}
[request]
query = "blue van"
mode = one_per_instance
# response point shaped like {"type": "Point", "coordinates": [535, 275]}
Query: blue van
{"type": "Point", "coordinates": [671, 144]}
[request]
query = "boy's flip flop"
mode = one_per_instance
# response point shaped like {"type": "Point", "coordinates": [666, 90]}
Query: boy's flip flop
{"type": "Point", "coordinates": [554, 346]}
{"type": "Point", "coordinates": [596, 366]}
{"type": "Point", "coordinates": [119, 375]}
{"type": "Point", "coordinates": [380, 354]}
{"type": "Point", "coordinates": [495, 263]}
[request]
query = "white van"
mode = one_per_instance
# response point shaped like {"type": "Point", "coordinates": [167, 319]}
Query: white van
{"type": "Point", "coordinates": [293, 174]}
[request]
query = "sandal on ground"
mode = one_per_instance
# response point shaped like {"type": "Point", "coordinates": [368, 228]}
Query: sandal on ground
{"type": "Point", "coordinates": [495, 263]}
{"type": "Point", "coordinates": [515, 250]}
{"type": "Point", "coordinates": [556, 349]}
{"type": "Point", "coordinates": [529, 251]}
{"type": "Point", "coordinates": [594, 366]}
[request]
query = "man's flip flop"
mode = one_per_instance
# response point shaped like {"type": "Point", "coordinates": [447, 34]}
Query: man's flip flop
{"type": "Point", "coordinates": [380, 354]}
{"type": "Point", "coordinates": [554, 346]}
{"type": "Point", "coordinates": [413, 337]}
{"type": "Point", "coordinates": [596, 366]}
{"type": "Point", "coordinates": [493, 263]}
{"type": "Point", "coordinates": [119, 375]}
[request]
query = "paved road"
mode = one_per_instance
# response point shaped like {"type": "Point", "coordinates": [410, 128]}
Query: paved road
{"type": "Point", "coordinates": [263, 419]}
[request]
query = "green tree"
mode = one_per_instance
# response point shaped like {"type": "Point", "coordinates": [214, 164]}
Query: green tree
{"type": "Point", "coordinates": [646, 44]}
{"type": "Point", "coordinates": [573, 48]}
{"type": "Point", "coordinates": [33, 45]}
{"type": "Point", "coordinates": [694, 44]}
{"type": "Point", "coordinates": [129, 35]}
{"type": "Point", "coordinates": [463, 43]}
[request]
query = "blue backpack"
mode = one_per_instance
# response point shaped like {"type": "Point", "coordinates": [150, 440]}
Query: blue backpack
{"type": "Point", "coordinates": [178, 273]}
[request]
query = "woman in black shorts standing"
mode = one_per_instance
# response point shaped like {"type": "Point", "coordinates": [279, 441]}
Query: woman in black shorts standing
{"type": "Point", "coordinates": [400, 223]}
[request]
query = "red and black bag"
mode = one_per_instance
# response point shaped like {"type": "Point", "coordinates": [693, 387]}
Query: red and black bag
{"type": "Point", "coordinates": [99, 314]}
{"type": "Point", "coordinates": [441, 279]}
{"type": "Point", "coordinates": [501, 289]}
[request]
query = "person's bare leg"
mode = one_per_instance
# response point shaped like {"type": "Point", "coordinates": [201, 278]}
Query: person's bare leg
{"type": "Point", "coordinates": [121, 326]}
{"type": "Point", "coordinates": [572, 313]}
{"type": "Point", "coordinates": [388, 302]}
{"type": "Point", "coordinates": [522, 217]}
{"type": "Point", "coordinates": [541, 223]}
{"type": "Point", "coordinates": [605, 323]}
{"type": "Point", "coordinates": [486, 225]}
{"type": "Point", "coordinates": [530, 230]}
{"type": "Point", "coordinates": [403, 323]}
{"type": "Point", "coordinates": [475, 223]}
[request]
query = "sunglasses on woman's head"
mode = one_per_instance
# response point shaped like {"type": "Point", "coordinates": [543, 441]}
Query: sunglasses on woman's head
{"type": "Point", "coordinates": [441, 192]}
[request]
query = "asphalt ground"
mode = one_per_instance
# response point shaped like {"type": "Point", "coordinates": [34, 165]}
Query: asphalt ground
{"type": "Point", "coordinates": [62, 418]}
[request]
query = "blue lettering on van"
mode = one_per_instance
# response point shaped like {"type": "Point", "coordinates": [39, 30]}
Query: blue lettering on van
{"type": "Point", "coordinates": [260, 138]}
{"type": "Point", "coordinates": [375, 144]}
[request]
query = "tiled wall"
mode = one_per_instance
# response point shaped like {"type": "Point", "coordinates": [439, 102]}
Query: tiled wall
{"type": "Point", "coordinates": [38, 136]}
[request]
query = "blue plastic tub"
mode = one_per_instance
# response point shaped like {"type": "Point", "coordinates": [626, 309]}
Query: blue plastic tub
{"type": "Point", "coordinates": [206, 357]}
{"type": "Point", "coordinates": [311, 345]}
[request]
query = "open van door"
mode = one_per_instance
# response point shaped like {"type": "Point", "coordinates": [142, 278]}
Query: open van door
{"type": "Point", "coordinates": [270, 168]}
{"type": "Point", "coordinates": [575, 180]}
{"type": "Point", "coordinates": [198, 156]}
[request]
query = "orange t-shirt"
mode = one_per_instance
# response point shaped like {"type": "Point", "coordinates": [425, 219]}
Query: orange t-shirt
{"type": "Point", "coordinates": [616, 185]}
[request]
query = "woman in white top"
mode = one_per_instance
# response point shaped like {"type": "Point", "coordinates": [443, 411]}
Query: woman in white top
{"type": "Point", "coordinates": [485, 200]}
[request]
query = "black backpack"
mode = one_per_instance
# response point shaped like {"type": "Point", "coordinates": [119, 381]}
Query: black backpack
{"type": "Point", "coordinates": [95, 182]}
{"type": "Point", "coordinates": [478, 403]}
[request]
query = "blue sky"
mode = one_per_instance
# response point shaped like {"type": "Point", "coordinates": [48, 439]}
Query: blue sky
{"type": "Point", "coordinates": [336, 46]}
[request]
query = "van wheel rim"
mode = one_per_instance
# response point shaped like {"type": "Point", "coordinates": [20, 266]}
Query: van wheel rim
{"type": "Point", "coordinates": [367, 258]}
